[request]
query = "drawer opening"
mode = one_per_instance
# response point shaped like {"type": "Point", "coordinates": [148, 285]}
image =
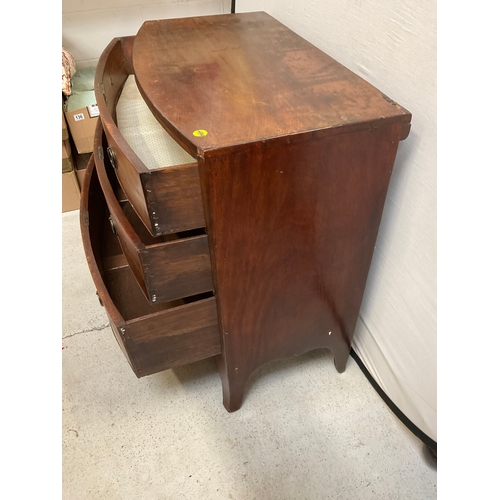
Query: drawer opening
{"type": "Point", "coordinates": [128, 297]}
{"type": "Point", "coordinates": [146, 236]}
{"type": "Point", "coordinates": [167, 267]}
{"type": "Point", "coordinates": [144, 134]}
{"type": "Point", "coordinates": [122, 286]}
{"type": "Point", "coordinates": [157, 170]}
{"type": "Point", "coordinates": [153, 337]}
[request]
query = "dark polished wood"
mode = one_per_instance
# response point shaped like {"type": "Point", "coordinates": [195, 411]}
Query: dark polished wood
{"type": "Point", "coordinates": [294, 169]}
{"type": "Point", "coordinates": [167, 200]}
{"type": "Point", "coordinates": [245, 78]}
{"type": "Point", "coordinates": [290, 273]}
{"type": "Point", "coordinates": [294, 158]}
{"type": "Point", "coordinates": [153, 337]}
{"type": "Point", "coordinates": [166, 267]}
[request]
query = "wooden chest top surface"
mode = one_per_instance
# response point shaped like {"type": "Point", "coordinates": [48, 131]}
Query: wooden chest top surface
{"type": "Point", "coordinates": [245, 78]}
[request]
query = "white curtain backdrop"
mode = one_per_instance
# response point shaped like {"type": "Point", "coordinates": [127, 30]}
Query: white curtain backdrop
{"type": "Point", "coordinates": [392, 45]}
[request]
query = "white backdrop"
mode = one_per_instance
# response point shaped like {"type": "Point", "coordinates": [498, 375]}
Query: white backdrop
{"type": "Point", "coordinates": [391, 44]}
{"type": "Point", "coordinates": [89, 25]}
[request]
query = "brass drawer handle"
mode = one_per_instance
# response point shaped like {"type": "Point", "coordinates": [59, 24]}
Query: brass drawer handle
{"type": "Point", "coordinates": [112, 158]}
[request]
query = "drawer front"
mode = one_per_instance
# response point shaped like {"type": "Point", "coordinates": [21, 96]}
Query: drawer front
{"type": "Point", "coordinates": [166, 268]}
{"type": "Point", "coordinates": [178, 336]}
{"type": "Point", "coordinates": [167, 200]}
{"type": "Point", "coordinates": [153, 337]}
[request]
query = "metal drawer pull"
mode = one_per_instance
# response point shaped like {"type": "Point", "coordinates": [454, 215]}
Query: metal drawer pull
{"type": "Point", "coordinates": [112, 158]}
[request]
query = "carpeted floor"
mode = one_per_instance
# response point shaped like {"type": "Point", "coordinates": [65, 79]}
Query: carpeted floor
{"type": "Point", "coordinates": [304, 431]}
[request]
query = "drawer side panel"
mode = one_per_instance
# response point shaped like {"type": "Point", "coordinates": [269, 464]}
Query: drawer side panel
{"type": "Point", "coordinates": [178, 269]}
{"type": "Point", "coordinates": [178, 336]}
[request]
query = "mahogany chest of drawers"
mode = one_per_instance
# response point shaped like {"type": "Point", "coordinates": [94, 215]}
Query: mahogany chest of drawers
{"type": "Point", "coordinates": [236, 213]}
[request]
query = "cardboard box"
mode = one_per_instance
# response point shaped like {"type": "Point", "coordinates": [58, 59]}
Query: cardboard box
{"type": "Point", "coordinates": [70, 192]}
{"type": "Point", "coordinates": [80, 166]}
{"type": "Point", "coordinates": [80, 174]}
{"type": "Point", "coordinates": [82, 123]}
{"type": "Point", "coordinates": [65, 133]}
{"type": "Point", "coordinates": [67, 160]}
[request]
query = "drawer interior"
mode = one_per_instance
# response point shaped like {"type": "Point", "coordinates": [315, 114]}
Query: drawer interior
{"type": "Point", "coordinates": [138, 126]}
{"type": "Point", "coordinates": [153, 337]}
{"type": "Point", "coordinates": [127, 295]}
{"type": "Point", "coordinates": [157, 170]}
{"type": "Point", "coordinates": [121, 283]}
{"type": "Point", "coordinates": [119, 280]}
{"type": "Point", "coordinates": [167, 267]}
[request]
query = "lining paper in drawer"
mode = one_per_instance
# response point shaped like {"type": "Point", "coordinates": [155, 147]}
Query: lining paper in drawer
{"type": "Point", "coordinates": [150, 142]}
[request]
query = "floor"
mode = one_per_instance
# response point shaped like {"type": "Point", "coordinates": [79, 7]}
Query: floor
{"type": "Point", "coordinates": [304, 431]}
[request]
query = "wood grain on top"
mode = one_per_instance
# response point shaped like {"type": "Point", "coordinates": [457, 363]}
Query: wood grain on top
{"type": "Point", "coordinates": [245, 78]}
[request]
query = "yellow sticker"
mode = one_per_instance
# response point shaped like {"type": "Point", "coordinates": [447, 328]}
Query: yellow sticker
{"type": "Point", "coordinates": [200, 133]}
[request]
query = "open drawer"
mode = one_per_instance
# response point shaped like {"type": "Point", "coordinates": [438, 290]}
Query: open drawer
{"type": "Point", "coordinates": [167, 267]}
{"type": "Point", "coordinates": [167, 199]}
{"type": "Point", "coordinates": [153, 337]}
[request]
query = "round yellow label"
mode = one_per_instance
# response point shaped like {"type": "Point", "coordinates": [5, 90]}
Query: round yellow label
{"type": "Point", "coordinates": [200, 133]}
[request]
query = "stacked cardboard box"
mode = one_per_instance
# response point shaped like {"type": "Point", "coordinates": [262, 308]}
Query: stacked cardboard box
{"type": "Point", "coordinates": [82, 123]}
{"type": "Point", "coordinates": [70, 186]}
{"type": "Point", "coordinates": [81, 110]}
{"type": "Point", "coordinates": [80, 166]}
{"type": "Point", "coordinates": [67, 157]}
